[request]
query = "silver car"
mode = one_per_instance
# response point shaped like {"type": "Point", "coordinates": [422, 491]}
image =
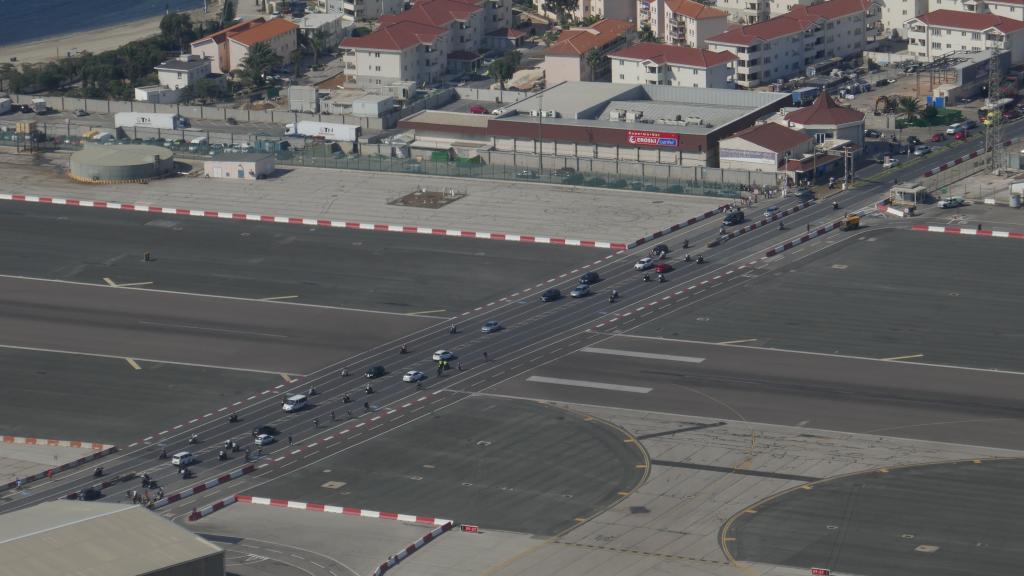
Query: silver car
{"type": "Point", "coordinates": [491, 326]}
{"type": "Point", "coordinates": [580, 291]}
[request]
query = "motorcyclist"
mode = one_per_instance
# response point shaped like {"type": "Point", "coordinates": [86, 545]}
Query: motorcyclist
{"type": "Point", "coordinates": [345, 399]}
{"type": "Point", "coordinates": [312, 391]}
{"type": "Point", "coordinates": [233, 418]}
{"type": "Point", "coordinates": [647, 277]}
{"type": "Point", "coordinates": [98, 471]}
{"type": "Point", "coordinates": [369, 389]}
{"type": "Point", "coordinates": [366, 405]}
{"type": "Point", "coordinates": [222, 455]}
{"type": "Point", "coordinates": [686, 243]}
{"type": "Point", "coordinates": [835, 205]}
{"type": "Point", "coordinates": [194, 439]}
{"type": "Point", "coordinates": [687, 258]}
{"type": "Point", "coordinates": [661, 277]}
{"type": "Point", "coordinates": [700, 259]}
{"type": "Point", "coordinates": [403, 349]}
{"type": "Point", "coordinates": [782, 225]}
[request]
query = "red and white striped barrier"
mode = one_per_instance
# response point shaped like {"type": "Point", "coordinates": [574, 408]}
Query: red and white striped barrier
{"type": "Point", "coordinates": [967, 231]}
{"type": "Point", "coordinates": [430, 520]}
{"type": "Point", "coordinates": [885, 208]}
{"type": "Point", "coordinates": [317, 222]}
{"type": "Point", "coordinates": [101, 450]}
{"type": "Point", "coordinates": [806, 237]}
{"type": "Point", "coordinates": [956, 162]}
{"type": "Point", "coordinates": [203, 487]}
{"type": "Point", "coordinates": [408, 551]}
{"type": "Point", "coordinates": [207, 510]}
{"type": "Point", "coordinates": [672, 228]}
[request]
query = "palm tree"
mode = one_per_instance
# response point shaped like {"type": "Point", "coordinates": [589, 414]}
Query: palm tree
{"type": "Point", "coordinates": [295, 58]}
{"type": "Point", "coordinates": [909, 107]}
{"type": "Point", "coordinates": [318, 42]}
{"type": "Point", "coordinates": [260, 59]}
{"type": "Point", "coordinates": [594, 60]}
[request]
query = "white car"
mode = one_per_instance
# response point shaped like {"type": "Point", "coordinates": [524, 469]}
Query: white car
{"type": "Point", "coordinates": [414, 376]}
{"type": "Point", "coordinates": [643, 264]}
{"type": "Point", "coordinates": [442, 355]}
{"type": "Point", "coordinates": [953, 128]}
{"type": "Point", "coordinates": [182, 459]}
{"type": "Point", "coordinates": [951, 202]}
{"type": "Point", "coordinates": [265, 439]}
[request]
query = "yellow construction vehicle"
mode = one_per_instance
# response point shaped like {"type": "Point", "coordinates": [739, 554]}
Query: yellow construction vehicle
{"type": "Point", "coordinates": [850, 222]}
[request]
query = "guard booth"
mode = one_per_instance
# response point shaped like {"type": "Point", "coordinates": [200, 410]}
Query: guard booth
{"type": "Point", "coordinates": [907, 195]}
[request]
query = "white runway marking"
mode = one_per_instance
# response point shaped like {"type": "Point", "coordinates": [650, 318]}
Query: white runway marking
{"type": "Point", "coordinates": [649, 355]}
{"type": "Point", "coordinates": [589, 384]}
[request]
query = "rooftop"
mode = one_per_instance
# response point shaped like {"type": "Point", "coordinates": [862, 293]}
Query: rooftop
{"type": "Point", "coordinates": [241, 157]}
{"type": "Point", "coordinates": [969, 21]}
{"type": "Point", "coordinates": [665, 108]}
{"type": "Point", "coordinates": [796, 20]}
{"type": "Point", "coordinates": [774, 137]}
{"type": "Point", "coordinates": [178, 65]}
{"type": "Point", "coordinates": [94, 539]}
{"type": "Point", "coordinates": [461, 119]}
{"type": "Point", "coordinates": [222, 35]}
{"type": "Point", "coordinates": [434, 13]}
{"type": "Point", "coordinates": [695, 10]}
{"type": "Point", "coordinates": [668, 54]}
{"type": "Point", "coordinates": [263, 32]}
{"type": "Point", "coordinates": [395, 36]}
{"type": "Point", "coordinates": [825, 111]}
{"type": "Point", "coordinates": [578, 41]}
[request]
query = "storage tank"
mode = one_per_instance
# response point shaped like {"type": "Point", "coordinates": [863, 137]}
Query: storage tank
{"type": "Point", "coordinates": [121, 163]}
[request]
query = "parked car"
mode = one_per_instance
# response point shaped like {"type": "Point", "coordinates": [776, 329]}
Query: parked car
{"type": "Point", "coordinates": [938, 137]}
{"type": "Point", "coordinates": [565, 172]}
{"type": "Point", "coordinates": [961, 135]}
{"type": "Point", "coordinates": [526, 174]}
{"type": "Point", "coordinates": [871, 133]}
{"type": "Point", "coordinates": [913, 140]}
{"type": "Point", "coordinates": [580, 291]}
{"type": "Point", "coordinates": [952, 129]}
{"type": "Point", "coordinates": [951, 202]}
{"type": "Point", "coordinates": [79, 113]}
{"type": "Point", "coordinates": [770, 211]}
{"type": "Point", "coordinates": [490, 326]}
{"type": "Point", "coordinates": [413, 376]}
{"type": "Point", "coordinates": [550, 295]}
{"type": "Point", "coordinates": [478, 109]}
{"type": "Point", "coordinates": [232, 122]}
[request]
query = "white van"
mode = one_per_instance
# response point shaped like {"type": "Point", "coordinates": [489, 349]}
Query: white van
{"type": "Point", "coordinates": [294, 403]}
{"type": "Point", "coordinates": [182, 459]}
{"type": "Point", "coordinates": [103, 138]}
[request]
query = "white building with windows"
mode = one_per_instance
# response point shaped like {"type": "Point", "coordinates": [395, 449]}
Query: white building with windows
{"type": "Point", "coordinates": [783, 47]}
{"type": "Point", "coordinates": [681, 22]}
{"type": "Point", "coordinates": [652, 63]}
{"type": "Point", "coordinates": [942, 32]}
{"type": "Point", "coordinates": [615, 9]}
{"type": "Point", "coordinates": [746, 11]}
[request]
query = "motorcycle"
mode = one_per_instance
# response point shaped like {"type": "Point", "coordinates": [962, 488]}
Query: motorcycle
{"type": "Point", "coordinates": [686, 243]}
{"type": "Point", "coordinates": [661, 277]}
{"type": "Point", "coordinates": [233, 418]}
{"type": "Point", "coordinates": [782, 226]}
{"type": "Point", "coordinates": [194, 439]}
{"type": "Point", "coordinates": [835, 205]}
{"type": "Point", "coordinates": [98, 472]}
{"type": "Point", "coordinates": [369, 389]}
{"type": "Point", "coordinates": [700, 259]}
{"type": "Point", "coordinates": [647, 278]}
{"type": "Point", "coordinates": [403, 349]}
{"type": "Point", "coordinates": [222, 455]}
{"type": "Point", "coordinates": [687, 258]}
{"type": "Point", "coordinates": [345, 399]}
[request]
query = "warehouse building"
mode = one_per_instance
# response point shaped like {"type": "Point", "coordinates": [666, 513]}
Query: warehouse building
{"type": "Point", "coordinates": [668, 125]}
{"type": "Point", "coordinates": [101, 539]}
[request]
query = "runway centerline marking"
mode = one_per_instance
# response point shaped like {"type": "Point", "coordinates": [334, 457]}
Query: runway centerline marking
{"type": "Point", "coordinates": [115, 356]}
{"type": "Point", "coordinates": [211, 329]}
{"type": "Point", "coordinates": [648, 355]}
{"type": "Point", "coordinates": [273, 298]}
{"type": "Point", "coordinates": [907, 357]}
{"type": "Point", "coordinates": [739, 341]}
{"type": "Point", "coordinates": [589, 384]}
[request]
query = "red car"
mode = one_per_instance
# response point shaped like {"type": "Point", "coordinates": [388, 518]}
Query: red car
{"type": "Point", "coordinates": [478, 109]}
{"type": "Point", "coordinates": [960, 135]}
{"type": "Point", "coordinates": [938, 137]}
{"type": "Point", "coordinates": [662, 267]}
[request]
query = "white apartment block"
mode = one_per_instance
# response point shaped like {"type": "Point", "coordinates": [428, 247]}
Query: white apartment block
{"type": "Point", "coordinates": [652, 63]}
{"type": "Point", "coordinates": [183, 71]}
{"type": "Point", "coordinates": [894, 13]}
{"type": "Point", "coordinates": [1012, 9]}
{"type": "Point", "coordinates": [426, 42]}
{"type": "Point", "coordinates": [783, 47]}
{"type": "Point", "coordinates": [363, 10]}
{"type": "Point", "coordinates": [746, 11]}
{"type": "Point", "coordinates": [941, 32]}
{"type": "Point", "coordinates": [681, 22]}
{"type": "Point", "coordinates": [613, 9]}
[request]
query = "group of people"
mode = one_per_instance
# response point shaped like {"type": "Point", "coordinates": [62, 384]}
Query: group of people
{"type": "Point", "coordinates": [144, 498]}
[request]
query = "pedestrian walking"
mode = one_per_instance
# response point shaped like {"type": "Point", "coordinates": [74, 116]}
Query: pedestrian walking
{"type": "Point", "coordinates": [485, 356]}
{"type": "Point", "coordinates": [460, 366]}
{"type": "Point", "coordinates": [17, 483]}
{"type": "Point", "coordinates": [259, 452]}
{"type": "Point", "coordinates": [289, 440]}
{"type": "Point", "coordinates": [316, 423]}
{"type": "Point", "coordinates": [332, 415]}
{"type": "Point", "coordinates": [808, 227]}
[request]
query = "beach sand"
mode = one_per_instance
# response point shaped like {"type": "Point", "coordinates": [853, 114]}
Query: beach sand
{"type": "Point", "coordinates": [102, 39]}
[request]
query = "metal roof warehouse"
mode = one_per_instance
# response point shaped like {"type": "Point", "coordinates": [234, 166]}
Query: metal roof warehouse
{"type": "Point", "coordinates": [632, 122]}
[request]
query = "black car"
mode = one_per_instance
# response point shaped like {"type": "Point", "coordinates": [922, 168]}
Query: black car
{"type": "Point", "coordinates": [550, 295]}
{"type": "Point", "coordinates": [869, 133]}
{"type": "Point", "coordinates": [590, 278]}
{"type": "Point", "coordinates": [659, 250]}
{"type": "Point", "coordinates": [265, 429]}
{"type": "Point", "coordinates": [375, 371]}
{"type": "Point", "coordinates": [90, 493]}
{"type": "Point", "coordinates": [733, 218]}
{"type": "Point", "coordinates": [913, 140]}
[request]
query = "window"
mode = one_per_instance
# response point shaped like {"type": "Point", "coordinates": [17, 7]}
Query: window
{"type": "Point", "coordinates": [976, 36]}
{"type": "Point", "coordinates": [936, 45]}
{"type": "Point", "coordinates": [622, 76]}
{"type": "Point", "coordinates": [179, 75]}
{"type": "Point", "coordinates": [376, 68]}
{"type": "Point", "coordinates": [695, 72]}
{"type": "Point", "coordinates": [376, 54]}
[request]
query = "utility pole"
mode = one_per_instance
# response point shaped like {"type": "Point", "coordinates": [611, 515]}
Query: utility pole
{"type": "Point", "coordinates": [540, 134]}
{"type": "Point", "coordinates": [994, 119]}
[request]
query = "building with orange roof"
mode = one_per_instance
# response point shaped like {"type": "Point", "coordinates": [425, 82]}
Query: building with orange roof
{"type": "Point", "coordinates": [785, 46]}
{"type": "Point", "coordinates": [613, 9]}
{"type": "Point", "coordinates": [943, 32]}
{"type": "Point", "coordinates": [831, 125]}
{"type": "Point", "coordinates": [654, 63]}
{"type": "Point", "coordinates": [567, 59]}
{"type": "Point", "coordinates": [681, 22]}
{"type": "Point", "coordinates": [228, 47]}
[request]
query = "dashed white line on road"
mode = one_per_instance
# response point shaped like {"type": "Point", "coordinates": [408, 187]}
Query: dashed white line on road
{"type": "Point", "coordinates": [407, 404]}
{"type": "Point", "coordinates": [311, 445]}
{"type": "Point", "coordinates": [147, 438]}
{"type": "Point", "coordinates": [250, 398]}
{"type": "Point", "coordinates": [178, 426]}
{"type": "Point", "coordinates": [361, 424]}
{"type": "Point", "coordinates": [208, 414]}
{"type": "Point", "coordinates": [162, 432]}
{"type": "Point", "coordinates": [296, 451]}
{"type": "Point", "coordinates": [133, 444]}
{"type": "Point", "coordinates": [279, 458]}
{"type": "Point", "coordinates": [193, 421]}
{"type": "Point", "coordinates": [375, 418]}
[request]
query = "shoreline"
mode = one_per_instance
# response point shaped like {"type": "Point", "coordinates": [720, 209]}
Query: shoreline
{"type": "Point", "coordinates": [96, 40]}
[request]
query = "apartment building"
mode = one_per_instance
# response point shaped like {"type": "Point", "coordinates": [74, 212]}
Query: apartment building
{"type": "Point", "coordinates": [783, 47]}
{"type": "Point", "coordinates": [567, 59]}
{"type": "Point", "coordinates": [227, 48]}
{"type": "Point", "coordinates": [611, 9]}
{"type": "Point", "coordinates": [746, 11]}
{"type": "Point", "coordinates": [943, 32]}
{"type": "Point", "coordinates": [661, 64]}
{"type": "Point", "coordinates": [363, 10]}
{"type": "Point", "coordinates": [424, 43]}
{"type": "Point", "coordinates": [681, 22]}
{"type": "Point", "coordinates": [183, 71]}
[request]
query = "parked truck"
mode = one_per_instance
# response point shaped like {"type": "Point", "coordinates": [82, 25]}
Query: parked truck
{"type": "Point", "coordinates": [164, 120]}
{"type": "Point", "coordinates": [805, 95]}
{"type": "Point", "coordinates": [39, 106]}
{"type": "Point", "coordinates": [325, 130]}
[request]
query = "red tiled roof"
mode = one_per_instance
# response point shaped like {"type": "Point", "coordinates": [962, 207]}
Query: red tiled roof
{"type": "Point", "coordinates": [510, 32]}
{"type": "Point", "coordinates": [969, 21]}
{"type": "Point", "coordinates": [263, 32]}
{"type": "Point", "coordinates": [667, 54]}
{"type": "Point", "coordinates": [396, 36]}
{"type": "Point", "coordinates": [826, 112]}
{"type": "Point", "coordinates": [796, 20]}
{"type": "Point", "coordinates": [577, 41]}
{"type": "Point", "coordinates": [221, 35]}
{"type": "Point", "coordinates": [772, 136]}
{"type": "Point", "coordinates": [434, 13]}
{"type": "Point", "coordinates": [694, 10]}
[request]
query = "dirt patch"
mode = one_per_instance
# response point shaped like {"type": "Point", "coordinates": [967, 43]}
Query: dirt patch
{"type": "Point", "coordinates": [424, 198]}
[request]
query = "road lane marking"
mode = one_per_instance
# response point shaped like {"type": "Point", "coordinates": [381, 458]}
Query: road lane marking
{"type": "Point", "coordinates": [133, 363]}
{"type": "Point", "coordinates": [273, 298]}
{"type": "Point", "coordinates": [286, 378]}
{"type": "Point", "coordinates": [648, 355]}
{"type": "Point", "coordinates": [589, 384]}
{"type": "Point", "coordinates": [908, 357]}
{"type": "Point", "coordinates": [211, 329]}
{"type": "Point", "coordinates": [739, 341]}
{"type": "Point", "coordinates": [426, 312]}
{"type": "Point", "coordinates": [154, 360]}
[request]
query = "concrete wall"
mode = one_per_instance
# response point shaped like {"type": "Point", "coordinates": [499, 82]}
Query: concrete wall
{"type": "Point", "coordinates": [496, 96]}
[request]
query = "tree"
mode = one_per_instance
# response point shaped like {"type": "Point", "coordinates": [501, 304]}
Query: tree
{"type": "Point", "coordinates": [561, 8]}
{"type": "Point", "coordinates": [909, 107]}
{"type": "Point", "coordinates": [295, 59]}
{"type": "Point", "coordinates": [505, 67]}
{"type": "Point", "coordinates": [550, 37]}
{"type": "Point", "coordinates": [930, 113]}
{"type": "Point", "coordinates": [227, 13]}
{"type": "Point", "coordinates": [318, 42]}
{"type": "Point", "coordinates": [261, 58]}
{"type": "Point", "coordinates": [646, 34]}
{"type": "Point", "coordinates": [176, 30]}
{"type": "Point", "coordinates": [594, 60]}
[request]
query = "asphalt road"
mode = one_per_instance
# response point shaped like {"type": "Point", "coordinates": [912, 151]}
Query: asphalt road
{"type": "Point", "coordinates": [357, 269]}
{"type": "Point", "coordinates": [941, 520]}
{"type": "Point", "coordinates": [883, 293]}
{"type": "Point", "coordinates": [927, 402]}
